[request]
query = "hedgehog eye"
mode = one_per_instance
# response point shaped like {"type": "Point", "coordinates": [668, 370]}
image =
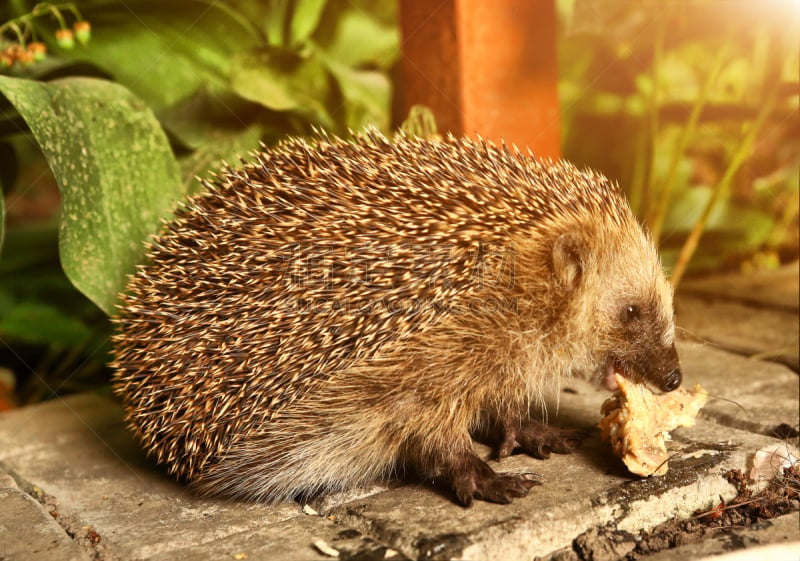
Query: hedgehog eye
{"type": "Point", "coordinates": [630, 313]}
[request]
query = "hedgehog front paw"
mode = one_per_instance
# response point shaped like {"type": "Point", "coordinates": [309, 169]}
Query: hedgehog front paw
{"type": "Point", "coordinates": [537, 439]}
{"type": "Point", "coordinates": [476, 480]}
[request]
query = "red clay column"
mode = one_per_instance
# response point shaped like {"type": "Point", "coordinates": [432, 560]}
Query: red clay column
{"type": "Point", "coordinates": [485, 67]}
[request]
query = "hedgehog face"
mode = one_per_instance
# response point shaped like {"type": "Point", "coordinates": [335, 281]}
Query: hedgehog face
{"type": "Point", "coordinates": [642, 347]}
{"type": "Point", "coordinates": [635, 319]}
{"type": "Point", "coordinates": [624, 306]}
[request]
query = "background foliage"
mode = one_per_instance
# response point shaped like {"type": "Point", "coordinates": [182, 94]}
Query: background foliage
{"type": "Point", "coordinates": [162, 93]}
{"type": "Point", "coordinates": [691, 106]}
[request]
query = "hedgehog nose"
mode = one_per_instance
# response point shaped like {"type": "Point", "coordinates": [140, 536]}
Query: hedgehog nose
{"type": "Point", "coordinates": [672, 380]}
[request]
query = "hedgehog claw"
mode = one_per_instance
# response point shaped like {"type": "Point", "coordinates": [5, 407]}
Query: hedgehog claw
{"type": "Point", "coordinates": [537, 439]}
{"type": "Point", "coordinates": [476, 480]}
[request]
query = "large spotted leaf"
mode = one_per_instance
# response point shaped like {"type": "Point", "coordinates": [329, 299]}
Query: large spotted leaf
{"type": "Point", "coordinates": [116, 173]}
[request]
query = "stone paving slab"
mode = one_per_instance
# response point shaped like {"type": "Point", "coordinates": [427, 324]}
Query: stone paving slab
{"type": "Point", "coordinates": [28, 532]}
{"type": "Point", "coordinates": [748, 394]}
{"type": "Point", "coordinates": [754, 315]}
{"type": "Point", "coordinates": [290, 540]}
{"type": "Point", "coordinates": [582, 491]}
{"type": "Point", "coordinates": [78, 451]}
{"type": "Point", "coordinates": [738, 327]}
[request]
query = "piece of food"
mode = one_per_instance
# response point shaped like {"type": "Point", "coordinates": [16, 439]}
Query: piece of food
{"type": "Point", "coordinates": [637, 423]}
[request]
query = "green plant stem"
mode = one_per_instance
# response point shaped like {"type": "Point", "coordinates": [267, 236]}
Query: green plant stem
{"type": "Point", "coordinates": [47, 7]}
{"type": "Point", "coordinates": [19, 7]}
{"type": "Point", "coordinates": [74, 9]}
{"type": "Point", "coordinates": [656, 219]}
{"type": "Point", "coordinates": [12, 25]}
{"type": "Point", "coordinates": [638, 177]}
{"type": "Point", "coordinates": [690, 246]}
{"type": "Point", "coordinates": [654, 102]}
{"type": "Point", "coordinates": [26, 18]}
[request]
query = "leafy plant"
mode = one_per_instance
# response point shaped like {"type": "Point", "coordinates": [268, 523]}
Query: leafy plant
{"type": "Point", "coordinates": [151, 96]}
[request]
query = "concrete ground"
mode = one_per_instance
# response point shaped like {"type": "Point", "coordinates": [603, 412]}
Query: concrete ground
{"type": "Point", "coordinates": [74, 485]}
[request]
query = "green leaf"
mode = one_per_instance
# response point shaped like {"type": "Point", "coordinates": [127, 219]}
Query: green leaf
{"type": "Point", "coordinates": [687, 206]}
{"type": "Point", "coordinates": [164, 51]}
{"type": "Point", "coordinates": [367, 93]}
{"type": "Point", "coordinates": [256, 76]}
{"type": "Point", "coordinates": [115, 171]}
{"type": "Point", "coordinates": [207, 115]}
{"type": "Point", "coordinates": [289, 23]}
{"type": "Point", "coordinates": [34, 289]}
{"type": "Point", "coordinates": [305, 20]}
{"type": "Point", "coordinates": [357, 38]}
{"type": "Point", "coordinates": [283, 82]}
{"type": "Point", "coordinates": [210, 157]}
{"type": "Point", "coordinates": [275, 21]}
{"type": "Point", "coordinates": [40, 323]}
{"type": "Point", "coordinates": [28, 245]}
{"type": "Point", "coordinates": [750, 224]}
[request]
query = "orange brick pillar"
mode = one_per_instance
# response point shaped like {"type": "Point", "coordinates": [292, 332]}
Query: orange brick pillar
{"type": "Point", "coordinates": [486, 67]}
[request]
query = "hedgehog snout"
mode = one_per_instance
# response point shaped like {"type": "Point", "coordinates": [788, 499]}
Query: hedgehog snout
{"type": "Point", "coordinates": [660, 370]}
{"type": "Point", "coordinates": [665, 372]}
{"type": "Point", "coordinates": [672, 380]}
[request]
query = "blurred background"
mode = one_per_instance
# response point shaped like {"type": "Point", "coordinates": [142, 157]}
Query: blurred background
{"type": "Point", "coordinates": [692, 107]}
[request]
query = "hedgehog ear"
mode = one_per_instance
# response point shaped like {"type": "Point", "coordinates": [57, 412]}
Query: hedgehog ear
{"type": "Point", "coordinates": [568, 260]}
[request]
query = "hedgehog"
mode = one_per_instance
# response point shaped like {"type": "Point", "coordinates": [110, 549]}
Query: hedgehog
{"type": "Point", "coordinates": [341, 311]}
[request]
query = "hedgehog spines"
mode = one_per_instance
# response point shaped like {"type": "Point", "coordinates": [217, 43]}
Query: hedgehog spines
{"type": "Point", "coordinates": [322, 277]}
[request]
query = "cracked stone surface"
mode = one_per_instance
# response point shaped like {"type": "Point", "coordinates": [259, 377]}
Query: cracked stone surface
{"type": "Point", "coordinates": [75, 486]}
{"type": "Point", "coordinates": [36, 534]}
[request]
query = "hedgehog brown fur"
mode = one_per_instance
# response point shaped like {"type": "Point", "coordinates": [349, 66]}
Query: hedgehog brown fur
{"type": "Point", "coordinates": [335, 312]}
